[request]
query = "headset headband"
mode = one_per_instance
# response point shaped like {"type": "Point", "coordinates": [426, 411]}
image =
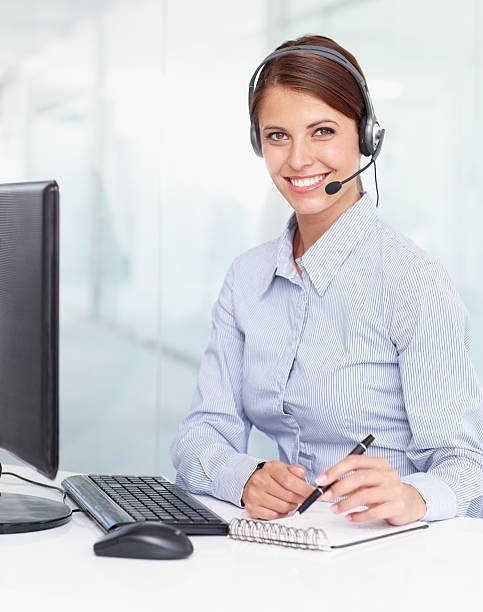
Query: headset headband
{"type": "Point", "coordinates": [330, 54]}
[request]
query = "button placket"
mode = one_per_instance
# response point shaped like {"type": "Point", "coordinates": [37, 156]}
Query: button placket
{"type": "Point", "coordinates": [292, 420]}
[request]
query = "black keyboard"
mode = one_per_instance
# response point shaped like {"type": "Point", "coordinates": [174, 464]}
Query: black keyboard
{"type": "Point", "coordinates": [116, 500]}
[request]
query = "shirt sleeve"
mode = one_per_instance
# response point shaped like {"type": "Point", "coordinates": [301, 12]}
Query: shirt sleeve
{"type": "Point", "coordinates": [209, 452]}
{"type": "Point", "coordinates": [442, 396]}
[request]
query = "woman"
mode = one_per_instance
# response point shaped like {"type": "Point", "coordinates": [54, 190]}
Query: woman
{"type": "Point", "coordinates": [338, 329]}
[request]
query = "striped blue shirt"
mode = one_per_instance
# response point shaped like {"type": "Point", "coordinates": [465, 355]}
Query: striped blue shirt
{"type": "Point", "coordinates": [371, 338]}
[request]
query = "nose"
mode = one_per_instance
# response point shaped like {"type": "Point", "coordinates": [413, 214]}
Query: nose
{"type": "Point", "coordinates": [300, 154]}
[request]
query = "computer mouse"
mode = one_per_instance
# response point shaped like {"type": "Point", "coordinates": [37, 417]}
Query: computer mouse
{"type": "Point", "coordinates": [145, 540]}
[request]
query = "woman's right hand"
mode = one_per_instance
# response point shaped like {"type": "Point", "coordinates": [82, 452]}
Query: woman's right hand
{"type": "Point", "coordinates": [275, 490]}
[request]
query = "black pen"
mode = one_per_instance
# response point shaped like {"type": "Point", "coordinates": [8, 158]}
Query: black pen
{"type": "Point", "coordinates": [360, 449]}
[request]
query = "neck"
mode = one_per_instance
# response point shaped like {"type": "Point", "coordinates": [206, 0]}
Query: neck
{"type": "Point", "coordinates": [311, 227]}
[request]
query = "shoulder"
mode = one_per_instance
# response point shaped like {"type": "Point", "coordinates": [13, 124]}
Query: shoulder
{"type": "Point", "coordinates": [266, 252]}
{"type": "Point", "coordinates": [254, 268]}
{"type": "Point", "coordinates": [405, 263]}
{"type": "Point", "coordinates": [400, 250]}
{"type": "Point", "coordinates": [420, 286]}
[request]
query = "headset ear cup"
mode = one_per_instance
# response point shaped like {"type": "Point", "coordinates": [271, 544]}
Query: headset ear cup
{"type": "Point", "coordinates": [365, 137]}
{"type": "Point", "coordinates": [255, 139]}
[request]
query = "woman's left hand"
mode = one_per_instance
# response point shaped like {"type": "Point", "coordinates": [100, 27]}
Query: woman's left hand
{"type": "Point", "coordinates": [375, 484]}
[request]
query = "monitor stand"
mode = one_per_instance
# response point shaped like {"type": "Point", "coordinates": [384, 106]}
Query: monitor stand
{"type": "Point", "coordinates": [22, 513]}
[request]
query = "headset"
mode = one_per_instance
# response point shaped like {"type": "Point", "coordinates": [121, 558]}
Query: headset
{"type": "Point", "coordinates": [371, 135]}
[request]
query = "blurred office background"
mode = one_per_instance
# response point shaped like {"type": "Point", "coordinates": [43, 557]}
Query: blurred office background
{"type": "Point", "coordinates": [138, 108]}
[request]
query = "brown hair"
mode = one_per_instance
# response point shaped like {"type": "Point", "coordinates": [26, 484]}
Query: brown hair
{"type": "Point", "coordinates": [313, 75]}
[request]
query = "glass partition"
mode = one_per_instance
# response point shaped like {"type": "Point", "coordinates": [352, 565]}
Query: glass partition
{"type": "Point", "coordinates": [139, 111]}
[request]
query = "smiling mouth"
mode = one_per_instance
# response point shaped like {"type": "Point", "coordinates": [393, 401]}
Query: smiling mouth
{"type": "Point", "coordinates": [301, 184]}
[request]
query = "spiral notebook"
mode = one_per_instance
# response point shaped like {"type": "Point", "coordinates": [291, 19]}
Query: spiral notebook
{"type": "Point", "coordinates": [316, 529]}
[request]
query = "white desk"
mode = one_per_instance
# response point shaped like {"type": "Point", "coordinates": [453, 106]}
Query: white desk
{"type": "Point", "coordinates": [436, 569]}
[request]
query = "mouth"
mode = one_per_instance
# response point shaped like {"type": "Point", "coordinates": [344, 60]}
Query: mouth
{"type": "Point", "coordinates": [305, 184]}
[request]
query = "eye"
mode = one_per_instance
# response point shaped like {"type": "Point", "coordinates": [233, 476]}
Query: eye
{"type": "Point", "coordinates": [325, 131]}
{"type": "Point", "coordinates": [276, 136]}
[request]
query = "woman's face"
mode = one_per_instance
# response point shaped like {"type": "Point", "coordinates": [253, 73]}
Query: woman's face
{"type": "Point", "coordinates": [306, 145]}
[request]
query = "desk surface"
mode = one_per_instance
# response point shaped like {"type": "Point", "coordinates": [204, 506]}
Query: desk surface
{"type": "Point", "coordinates": [439, 568]}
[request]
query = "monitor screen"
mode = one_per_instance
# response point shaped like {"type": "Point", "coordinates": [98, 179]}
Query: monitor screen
{"type": "Point", "coordinates": [29, 339]}
{"type": "Point", "coordinates": [29, 324]}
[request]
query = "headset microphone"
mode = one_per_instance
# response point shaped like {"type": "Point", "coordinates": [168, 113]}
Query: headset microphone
{"type": "Point", "coordinates": [336, 186]}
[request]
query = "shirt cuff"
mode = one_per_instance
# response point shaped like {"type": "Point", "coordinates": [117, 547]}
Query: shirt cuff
{"type": "Point", "coordinates": [232, 477]}
{"type": "Point", "coordinates": [441, 500]}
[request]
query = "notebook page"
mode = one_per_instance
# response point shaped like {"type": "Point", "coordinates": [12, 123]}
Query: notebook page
{"type": "Point", "coordinates": [338, 529]}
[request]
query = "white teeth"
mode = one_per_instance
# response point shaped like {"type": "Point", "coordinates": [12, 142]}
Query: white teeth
{"type": "Point", "coordinates": [307, 182]}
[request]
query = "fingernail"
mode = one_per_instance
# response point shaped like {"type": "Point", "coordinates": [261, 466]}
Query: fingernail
{"type": "Point", "coordinates": [334, 508]}
{"type": "Point", "coordinates": [321, 479]}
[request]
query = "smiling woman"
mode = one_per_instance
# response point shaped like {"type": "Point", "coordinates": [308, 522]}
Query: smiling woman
{"type": "Point", "coordinates": [328, 82]}
{"type": "Point", "coordinates": [316, 145]}
{"type": "Point", "coordinates": [340, 328]}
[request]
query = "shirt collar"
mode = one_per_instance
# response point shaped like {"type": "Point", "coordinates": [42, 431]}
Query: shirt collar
{"type": "Point", "coordinates": [324, 258]}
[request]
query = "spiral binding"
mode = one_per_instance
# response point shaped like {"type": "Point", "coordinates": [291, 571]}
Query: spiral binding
{"type": "Point", "coordinates": [275, 533]}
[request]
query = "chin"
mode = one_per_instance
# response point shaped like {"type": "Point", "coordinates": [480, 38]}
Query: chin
{"type": "Point", "coordinates": [310, 206]}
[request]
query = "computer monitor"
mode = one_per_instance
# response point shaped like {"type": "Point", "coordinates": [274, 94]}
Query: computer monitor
{"type": "Point", "coordinates": [29, 346]}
